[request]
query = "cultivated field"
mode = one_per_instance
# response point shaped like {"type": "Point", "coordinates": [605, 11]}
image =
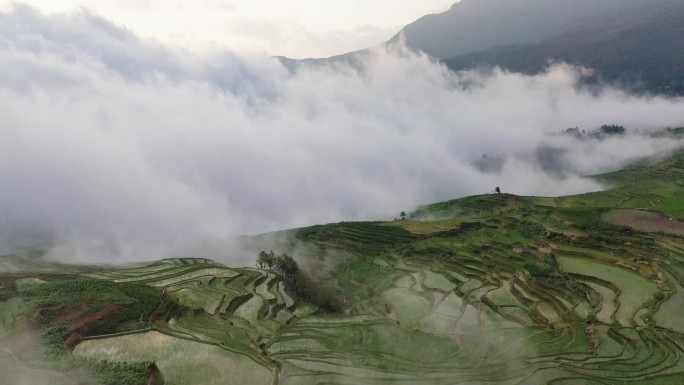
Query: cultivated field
{"type": "Point", "coordinates": [646, 221]}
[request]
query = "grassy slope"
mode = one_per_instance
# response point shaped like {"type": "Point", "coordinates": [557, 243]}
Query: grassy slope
{"type": "Point", "coordinates": [495, 288]}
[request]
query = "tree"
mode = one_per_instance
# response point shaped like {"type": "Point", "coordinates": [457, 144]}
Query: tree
{"type": "Point", "coordinates": [402, 215]}
{"type": "Point", "coordinates": [612, 129]}
{"type": "Point", "coordinates": [286, 266]}
{"type": "Point", "coordinates": [326, 296]}
{"type": "Point", "coordinates": [266, 261]}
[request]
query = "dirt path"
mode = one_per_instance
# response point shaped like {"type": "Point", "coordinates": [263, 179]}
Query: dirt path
{"type": "Point", "coordinates": [11, 354]}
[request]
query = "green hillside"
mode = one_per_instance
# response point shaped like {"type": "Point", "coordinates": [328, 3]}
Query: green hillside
{"type": "Point", "coordinates": [496, 289]}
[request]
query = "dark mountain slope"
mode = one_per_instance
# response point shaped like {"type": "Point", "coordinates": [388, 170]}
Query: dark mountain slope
{"type": "Point", "coordinates": [643, 51]}
{"type": "Point", "coordinates": [638, 44]}
{"type": "Point", "coordinates": [476, 25]}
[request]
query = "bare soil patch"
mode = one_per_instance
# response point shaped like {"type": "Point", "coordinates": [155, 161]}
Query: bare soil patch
{"type": "Point", "coordinates": [645, 221]}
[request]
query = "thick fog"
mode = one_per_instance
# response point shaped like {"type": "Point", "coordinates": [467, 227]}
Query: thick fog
{"type": "Point", "coordinates": [115, 148]}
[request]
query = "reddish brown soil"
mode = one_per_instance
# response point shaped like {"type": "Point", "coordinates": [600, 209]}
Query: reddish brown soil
{"type": "Point", "coordinates": [154, 375]}
{"type": "Point", "coordinates": [74, 315]}
{"type": "Point", "coordinates": [85, 323]}
{"type": "Point", "coordinates": [77, 320]}
{"type": "Point", "coordinates": [73, 340]}
{"type": "Point", "coordinates": [645, 221]}
{"type": "Point", "coordinates": [78, 324]}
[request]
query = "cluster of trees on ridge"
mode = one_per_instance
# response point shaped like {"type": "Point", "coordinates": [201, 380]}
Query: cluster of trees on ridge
{"type": "Point", "coordinates": [297, 282]}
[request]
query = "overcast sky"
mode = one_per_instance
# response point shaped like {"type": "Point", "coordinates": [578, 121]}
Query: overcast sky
{"type": "Point", "coordinates": [294, 28]}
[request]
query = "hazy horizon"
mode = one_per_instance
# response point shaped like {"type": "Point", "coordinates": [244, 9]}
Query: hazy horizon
{"type": "Point", "coordinates": [296, 28]}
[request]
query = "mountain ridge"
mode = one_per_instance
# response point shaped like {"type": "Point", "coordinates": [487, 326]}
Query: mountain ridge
{"type": "Point", "coordinates": [634, 44]}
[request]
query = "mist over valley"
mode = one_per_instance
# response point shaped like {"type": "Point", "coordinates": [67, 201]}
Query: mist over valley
{"type": "Point", "coordinates": [492, 195]}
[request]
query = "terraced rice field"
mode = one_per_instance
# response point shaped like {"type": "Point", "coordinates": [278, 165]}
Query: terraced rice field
{"type": "Point", "coordinates": [494, 289]}
{"type": "Point", "coordinates": [634, 291]}
{"type": "Point", "coordinates": [669, 313]}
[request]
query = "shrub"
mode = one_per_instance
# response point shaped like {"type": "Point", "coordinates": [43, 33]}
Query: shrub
{"type": "Point", "coordinates": [539, 271]}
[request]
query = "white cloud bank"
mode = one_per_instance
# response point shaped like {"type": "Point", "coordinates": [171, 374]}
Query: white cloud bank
{"type": "Point", "coordinates": [122, 146]}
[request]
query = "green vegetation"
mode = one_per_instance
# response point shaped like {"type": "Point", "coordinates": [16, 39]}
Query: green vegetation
{"type": "Point", "coordinates": [90, 307]}
{"type": "Point", "coordinates": [539, 271]}
{"type": "Point", "coordinates": [360, 237]}
{"type": "Point", "coordinates": [321, 294]}
{"type": "Point", "coordinates": [111, 373]}
{"type": "Point", "coordinates": [494, 289]}
{"type": "Point", "coordinates": [66, 311]}
{"type": "Point", "coordinates": [90, 296]}
{"type": "Point", "coordinates": [583, 217]}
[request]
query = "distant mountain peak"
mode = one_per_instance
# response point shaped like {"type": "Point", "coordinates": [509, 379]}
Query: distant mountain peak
{"type": "Point", "coordinates": [475, 25]}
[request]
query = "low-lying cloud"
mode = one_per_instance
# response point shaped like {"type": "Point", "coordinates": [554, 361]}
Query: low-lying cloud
{"type": "Point", "coordinates": [111, 143]}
